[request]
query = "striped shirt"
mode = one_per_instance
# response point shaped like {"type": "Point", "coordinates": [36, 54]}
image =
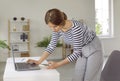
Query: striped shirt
{"type": "Point", "coordinates": [77, 36]}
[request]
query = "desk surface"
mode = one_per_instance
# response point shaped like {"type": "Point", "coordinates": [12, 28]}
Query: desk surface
{"type": "Point", "coordinates": [44, 74]}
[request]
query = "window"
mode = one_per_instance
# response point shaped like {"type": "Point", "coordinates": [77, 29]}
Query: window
{"type": "Point", "coordinates": [104, 18]}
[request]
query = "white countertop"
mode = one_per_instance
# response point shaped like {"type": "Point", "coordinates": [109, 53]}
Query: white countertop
{"type": "Point", "coordinates": [43, 74]}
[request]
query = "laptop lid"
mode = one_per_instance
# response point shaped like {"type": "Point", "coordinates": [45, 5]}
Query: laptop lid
{"type": "Point", "coordinates": [23, 66]}
{"type": "Point", "coordinates": [13, 57]}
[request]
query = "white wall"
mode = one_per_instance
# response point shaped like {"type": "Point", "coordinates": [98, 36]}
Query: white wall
{"type": "Point", "coordinates": [36, 9]}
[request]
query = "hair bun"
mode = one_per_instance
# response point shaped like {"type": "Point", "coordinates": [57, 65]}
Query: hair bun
{"type": "Point", "coordinates": [65, 16]}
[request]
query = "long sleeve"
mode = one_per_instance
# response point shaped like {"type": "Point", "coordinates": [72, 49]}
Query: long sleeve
{"type": "Point", "coordinates": [77, 34]}
{"type": "Point", "coordinates": [52, 45]}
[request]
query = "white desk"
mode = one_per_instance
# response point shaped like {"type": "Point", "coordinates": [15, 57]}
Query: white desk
{"type": "Point", "coordinates": [44, 74]}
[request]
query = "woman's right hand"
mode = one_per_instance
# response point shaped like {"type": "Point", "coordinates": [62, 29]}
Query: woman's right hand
{"type": "Point", "coordinates": [31, 61]}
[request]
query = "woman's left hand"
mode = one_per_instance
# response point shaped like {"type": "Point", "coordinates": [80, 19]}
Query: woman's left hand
{"type": "Point", "coordinates": [53, 65]}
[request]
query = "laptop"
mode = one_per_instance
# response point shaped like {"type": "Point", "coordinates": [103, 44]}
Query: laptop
{"type": "Point", "coordinates": [24, 66]}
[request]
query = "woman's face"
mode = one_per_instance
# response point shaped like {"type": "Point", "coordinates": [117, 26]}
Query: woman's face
{"type": "Point", "coordinates": [55, 28]}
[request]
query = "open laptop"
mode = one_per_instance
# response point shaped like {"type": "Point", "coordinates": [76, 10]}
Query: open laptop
{"type": "Point", "coordinates": [24, 66]}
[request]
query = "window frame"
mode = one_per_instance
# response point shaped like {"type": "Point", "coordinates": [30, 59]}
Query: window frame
{"type": "Point", "coordinates": [111, 25]}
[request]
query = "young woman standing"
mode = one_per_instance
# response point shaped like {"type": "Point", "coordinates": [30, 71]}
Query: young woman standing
{"type": "Point", "coordinates": [87, 51]}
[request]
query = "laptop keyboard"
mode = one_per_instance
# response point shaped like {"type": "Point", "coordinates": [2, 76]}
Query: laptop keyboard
{"type": "Point", "coordinates": [23, 65]}
{"type": "Point", "coordinates": [26, 66]}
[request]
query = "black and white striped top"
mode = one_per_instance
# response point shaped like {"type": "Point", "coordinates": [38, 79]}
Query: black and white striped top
{"type": "Point", "coordinates": [77, 36]}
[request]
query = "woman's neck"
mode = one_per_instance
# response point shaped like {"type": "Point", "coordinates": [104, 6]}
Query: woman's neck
{"type": "Point", "coordinates": [67, 26]}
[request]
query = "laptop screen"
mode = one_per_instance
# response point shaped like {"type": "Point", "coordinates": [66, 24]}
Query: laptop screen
{"type": "Point", "coordinates": [23, 66]}
{"type": "Point", "coordinates": [13, 56]}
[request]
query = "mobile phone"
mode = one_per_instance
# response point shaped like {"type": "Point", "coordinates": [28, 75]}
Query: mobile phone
{"type": "Point", "coordinates": [45, 64]}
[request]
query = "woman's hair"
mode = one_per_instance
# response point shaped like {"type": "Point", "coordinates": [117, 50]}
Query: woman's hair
{"type": "Point", "coordinates": [55, 16]}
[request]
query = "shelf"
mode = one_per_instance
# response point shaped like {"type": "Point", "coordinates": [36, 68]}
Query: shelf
{"type": "Point", "coordinates": [19, 42]}
{"type": "Point", "coordinates": [22, 51]}
{"type": "Point", "coordinates": [19, 36]}
{"type": "Point", "coordinates": [19, 31]}
{"type": "Point", "coordinates": [19, 21]}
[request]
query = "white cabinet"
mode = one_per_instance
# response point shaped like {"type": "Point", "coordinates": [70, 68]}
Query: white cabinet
{"type": "Point", "coordinates": [19, 37]}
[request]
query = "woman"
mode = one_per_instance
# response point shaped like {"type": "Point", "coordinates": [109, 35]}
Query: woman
{"type": "Point", "coordinates": [87, 51]}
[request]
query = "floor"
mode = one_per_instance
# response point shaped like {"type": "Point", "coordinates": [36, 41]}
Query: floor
{"type": "Point", "coordinates": [2, 66]}
{"type": "Point", "coordinates": [65, 71]}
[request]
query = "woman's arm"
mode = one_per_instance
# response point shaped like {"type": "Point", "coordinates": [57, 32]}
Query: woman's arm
{"type": "Point", "coordinates": [43, 57]}
{"type": "Point", "coordinates": [50, 48]}
{"type": "Point", "coordinates": [53, 65]}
